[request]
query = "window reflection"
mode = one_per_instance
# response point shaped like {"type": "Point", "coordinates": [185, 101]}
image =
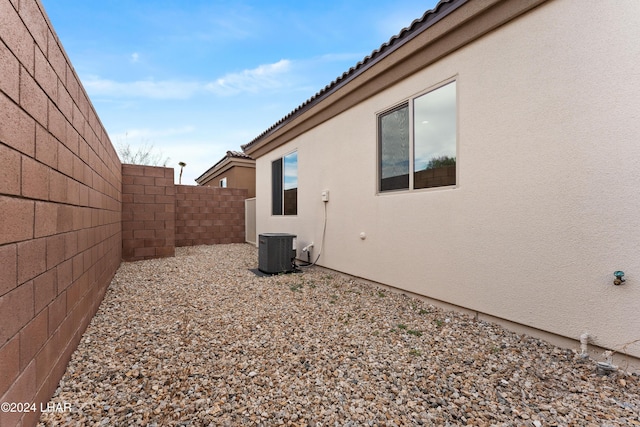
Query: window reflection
{"type": "Point", "coordinates": [394, 149]}
{"type": "Point", "coordinates": [290, 183]}
{"type": "Point", "coordinates": [435, 138]}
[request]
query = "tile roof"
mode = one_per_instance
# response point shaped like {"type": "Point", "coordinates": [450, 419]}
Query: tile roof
{"type": "Point", "coordinates": [239, 154]}
{"type": "Point", "coordinates": [230, 154]}
{"type": "Point", "coordinates": [443, 8]}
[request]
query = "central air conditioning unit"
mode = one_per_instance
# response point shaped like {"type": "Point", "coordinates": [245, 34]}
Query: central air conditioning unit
{"type": "Point", "coordinates": [276, 252]}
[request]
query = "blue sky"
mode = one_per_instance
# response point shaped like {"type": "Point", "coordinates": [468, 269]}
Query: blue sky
{"type": "Point", "coordinates": [197, 78]}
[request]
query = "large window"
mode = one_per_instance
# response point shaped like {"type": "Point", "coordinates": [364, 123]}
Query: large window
{"type": "Point", "coordinates": [423, 158]}
{"type": "Point", "coordinates": [284, 185]}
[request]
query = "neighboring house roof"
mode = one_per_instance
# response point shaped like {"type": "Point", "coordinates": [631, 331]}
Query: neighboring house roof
{"type": "Point", "coordinates": [225, 161]}
{"type": "Point", "coordinates": [443, 8]}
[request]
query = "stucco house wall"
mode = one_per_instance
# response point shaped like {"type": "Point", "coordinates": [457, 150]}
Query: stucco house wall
{"type": "Point", "coordinates": [238, 169]}
{"type": "Point", "coordinates": [242, 177]}
{"type": "Point", "coordinates": [546, 203]}
{"type": "Point", "coordinates": [238, 176]}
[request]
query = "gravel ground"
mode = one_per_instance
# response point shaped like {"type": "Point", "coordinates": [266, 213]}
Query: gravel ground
{"type": "Point", "coordinates": [199, 340]}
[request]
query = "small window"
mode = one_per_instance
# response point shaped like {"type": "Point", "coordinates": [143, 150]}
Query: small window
{"type": "Point", "coordinates": [223, 182]}
{"type": "Point", "coordinates": [426, 157]}
{"type": "Point", "coordinates": [284, 185]}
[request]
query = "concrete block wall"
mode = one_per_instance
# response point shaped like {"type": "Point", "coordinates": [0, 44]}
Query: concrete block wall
{"type": "Point", "coordinates": [209, 215]}
{"type": "Point", "coordinates": [158, 216]}
{"type": "Point", "coordinates": [148, 212]}
{"type": "Point", "coordinates": [60, 209]}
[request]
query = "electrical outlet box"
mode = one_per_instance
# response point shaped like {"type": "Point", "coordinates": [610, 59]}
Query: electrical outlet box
{"type": "Point", "coordinates": [325, 195]}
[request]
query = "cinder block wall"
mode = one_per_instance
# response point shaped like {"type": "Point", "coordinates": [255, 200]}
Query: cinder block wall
{"type": "Point", "coordinates": [60, 209]}
{"type": "Point", "coordinates": [209, 215]}
{"type": "Point", "coordinates": [148, 212]}
{"type": "Point", "coordinates": [157, 215]}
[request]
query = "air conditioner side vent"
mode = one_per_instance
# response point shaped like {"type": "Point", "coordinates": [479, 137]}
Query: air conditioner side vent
{"type": "Point", "coordinates": [276, 252]}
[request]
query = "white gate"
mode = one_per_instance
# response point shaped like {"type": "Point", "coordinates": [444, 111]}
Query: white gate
{"type": "Point", "coordinates": [250, 235]}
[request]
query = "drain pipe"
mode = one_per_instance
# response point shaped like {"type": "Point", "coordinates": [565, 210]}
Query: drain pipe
{"type": "Point", "coordinates": [584, 341]}
{"type": "Point", "coordinates": [602, 368]}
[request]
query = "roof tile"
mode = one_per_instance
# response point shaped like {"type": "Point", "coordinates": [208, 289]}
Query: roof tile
{"type": "Point", "coordinates": [416, 27]}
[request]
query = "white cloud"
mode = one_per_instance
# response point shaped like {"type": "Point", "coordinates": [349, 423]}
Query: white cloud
{"type": "Point", "coordinates": [167, 89]}
{"type": "Point", "coordinates": [135, 135]}
{"type": "Point", "coordinates": [267, 76]}
{"type": "Point", "coordinates": [263, 77]}
{"type": "Point", "coordinates": [135, 57]}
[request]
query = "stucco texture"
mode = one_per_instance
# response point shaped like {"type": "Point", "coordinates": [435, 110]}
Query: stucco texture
{"type": "Point", "coordinates": [546, 203]}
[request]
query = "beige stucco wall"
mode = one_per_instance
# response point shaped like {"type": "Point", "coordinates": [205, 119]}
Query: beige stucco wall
{"type": "Point", "coordinates": [238, 176]}
{"type": "Point", "coordinates": [243, 177]}
{"type": "Point", "coordinates": [547, 202]}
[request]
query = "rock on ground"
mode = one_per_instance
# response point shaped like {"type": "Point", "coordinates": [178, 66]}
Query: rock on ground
{"type": "Point", "coordinates": [199, 340]}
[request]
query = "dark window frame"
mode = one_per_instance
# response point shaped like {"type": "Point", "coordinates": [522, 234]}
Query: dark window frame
{"type": "Point", "coordinates": [284, 202]}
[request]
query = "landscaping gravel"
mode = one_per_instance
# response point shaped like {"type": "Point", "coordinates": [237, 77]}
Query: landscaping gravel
{"type": "Point", "coordinates": [200, 340]}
